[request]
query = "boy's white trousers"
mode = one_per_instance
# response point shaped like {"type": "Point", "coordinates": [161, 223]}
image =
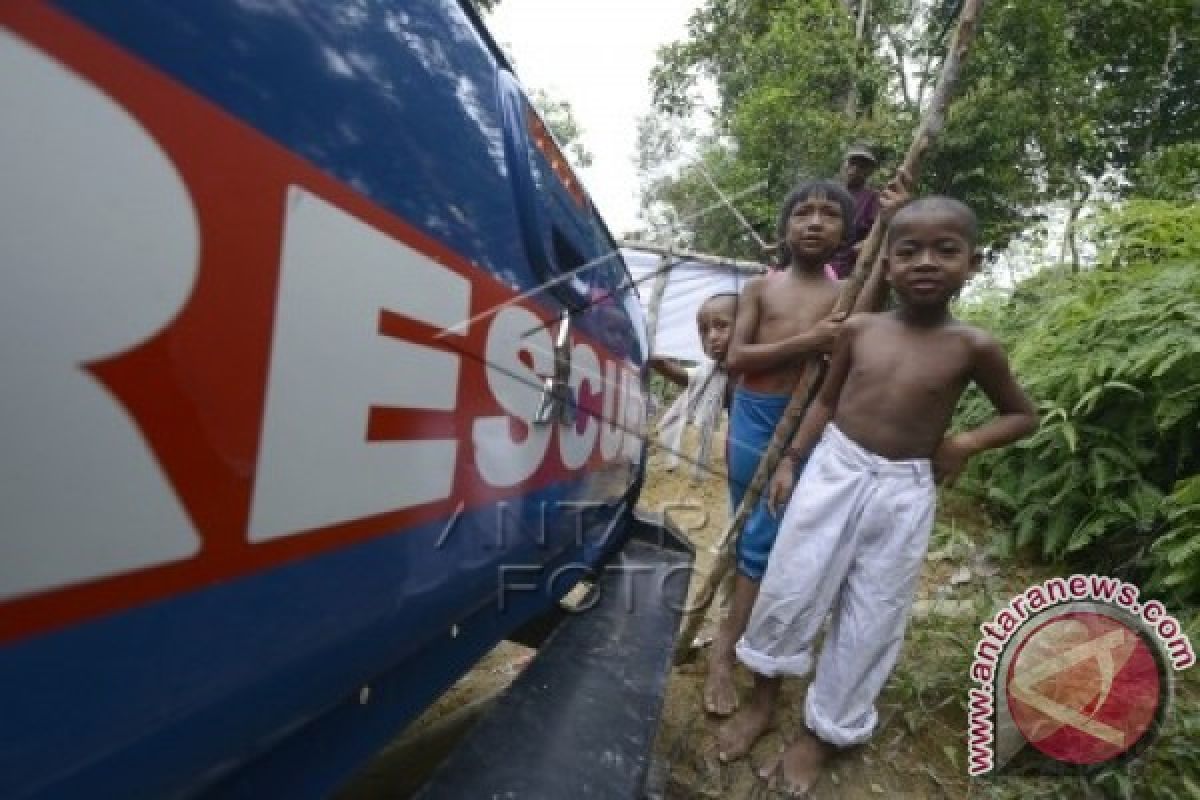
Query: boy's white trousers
{"type": "Point", "coordinates": [853, 539]}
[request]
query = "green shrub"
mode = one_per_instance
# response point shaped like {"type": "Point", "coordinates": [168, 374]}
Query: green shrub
{"type": "Point", "coordinates": [1112, 357]}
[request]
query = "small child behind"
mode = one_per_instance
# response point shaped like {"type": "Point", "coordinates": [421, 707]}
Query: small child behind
{"type": "Point", "coordinates": [705, 386]}
{"type": "Point", "coordinates": [854, 536]}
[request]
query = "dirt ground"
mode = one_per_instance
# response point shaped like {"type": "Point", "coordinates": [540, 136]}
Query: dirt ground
{"type": "Point", "coordinates": [918, 751]}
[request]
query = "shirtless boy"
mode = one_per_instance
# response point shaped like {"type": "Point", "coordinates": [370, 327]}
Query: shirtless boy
{"type": "Point", "coordinates": [781, 319]}
{"type": "Point", "coordinates": [857, 526]}
{"type": "Point", "coordinates": [783, 323]}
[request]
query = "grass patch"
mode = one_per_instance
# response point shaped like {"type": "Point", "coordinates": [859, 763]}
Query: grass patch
{"type": "Point", "coordinates": [925, 701]}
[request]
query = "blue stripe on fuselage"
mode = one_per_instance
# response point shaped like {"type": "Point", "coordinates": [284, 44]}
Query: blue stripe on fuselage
{"type": "Point", "coordinates": [141, 703]}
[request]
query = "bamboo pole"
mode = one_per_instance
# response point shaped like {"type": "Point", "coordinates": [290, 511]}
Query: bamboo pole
{"type": "Point", "coordinates": [746, 267]}
{"type": "Point", "coordinates": [932, 122]}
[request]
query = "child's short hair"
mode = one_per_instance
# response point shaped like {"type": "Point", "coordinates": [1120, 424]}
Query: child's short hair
{"type": "Point", "coordinates": [831, 190]}
{"type": "Point", "coordinates": [719, 296]}
{"type": "Point", "coordinates": [942, 203]}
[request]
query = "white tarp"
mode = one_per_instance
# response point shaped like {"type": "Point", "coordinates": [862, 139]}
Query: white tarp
{"type": "Point", "coordinates": [689, 285]}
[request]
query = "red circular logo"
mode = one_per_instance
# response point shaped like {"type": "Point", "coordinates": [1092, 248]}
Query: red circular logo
{"type": "Point", "coordinates": [1084, 687]}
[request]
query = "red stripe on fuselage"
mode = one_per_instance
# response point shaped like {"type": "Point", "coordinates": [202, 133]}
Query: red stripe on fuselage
{"type": "Point", "coordinates": [196, 390]}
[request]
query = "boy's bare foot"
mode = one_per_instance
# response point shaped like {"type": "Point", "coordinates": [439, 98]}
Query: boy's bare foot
{"type": "Point", "coordinates": [720, 691]}
{"type": "Point", "coordinates": [738, 735]}
{"type": "Point", "coordinates": [794, 771]}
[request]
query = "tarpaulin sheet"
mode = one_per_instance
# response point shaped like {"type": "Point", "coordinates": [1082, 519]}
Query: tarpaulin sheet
{"type": "Point", "coordinates": [689, 285]}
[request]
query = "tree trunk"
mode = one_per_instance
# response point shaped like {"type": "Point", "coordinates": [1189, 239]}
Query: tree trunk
{"type": "Point", "coordinates": [1062, 245]}
{"type": "Point", "coordinates": [1172, 43]}
{"type": "Point", "coordinates": [860, 43]}
{"type": "Point", "coordinates": [1078, 201]}
{"type": "Point", "coordinates": [901, 75]}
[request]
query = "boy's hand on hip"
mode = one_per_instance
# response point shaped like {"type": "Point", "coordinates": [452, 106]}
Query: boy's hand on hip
{"type": "Point", "coordinates": [781, 486]}
{"type": "Point", "coordinates": [951, 458]}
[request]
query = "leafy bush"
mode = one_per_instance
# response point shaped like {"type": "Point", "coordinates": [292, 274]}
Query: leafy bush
{"type": "Point", "coordinates": [1112, 357]}
{"type": "Point", "coordinates": [1170, 173]}
{"type": "Point", "coordinates": [1147, 232]}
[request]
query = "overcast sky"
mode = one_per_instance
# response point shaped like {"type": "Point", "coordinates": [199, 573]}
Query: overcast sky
{"type": "Point", "coordinates": [597, 55]}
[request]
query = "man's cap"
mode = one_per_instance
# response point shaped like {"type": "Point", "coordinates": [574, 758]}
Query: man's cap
{"type": "Point", "coordinates": [861, 151]}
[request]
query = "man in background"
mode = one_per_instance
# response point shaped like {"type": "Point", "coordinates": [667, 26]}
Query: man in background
{"type": "Point", "coordinates": [857, 167]}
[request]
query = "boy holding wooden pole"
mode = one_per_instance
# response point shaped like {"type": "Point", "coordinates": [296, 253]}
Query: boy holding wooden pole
{"type": "Point", "coordinates": [854, 536]}
{"type": "Point", "coordinates": [783, 325]}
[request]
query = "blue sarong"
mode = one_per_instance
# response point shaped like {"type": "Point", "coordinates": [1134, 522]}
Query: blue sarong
{"type": "Point", "coordinates": [752, 421]}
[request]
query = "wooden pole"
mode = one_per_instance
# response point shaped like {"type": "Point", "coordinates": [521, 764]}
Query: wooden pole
{"type": "Point", "coordinates": [656, 296]}
{"type": "Point", "coordinates": [745, 267]}
{"type": "Point", "coordinates": [868, 263]}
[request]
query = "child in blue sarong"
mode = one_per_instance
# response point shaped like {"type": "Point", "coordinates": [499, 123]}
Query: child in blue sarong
{"type": "Point", "coordinates": [783, 323]}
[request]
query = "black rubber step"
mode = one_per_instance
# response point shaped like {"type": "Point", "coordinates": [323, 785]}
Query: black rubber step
{"type": "Point", "coordinates": [580, 720]}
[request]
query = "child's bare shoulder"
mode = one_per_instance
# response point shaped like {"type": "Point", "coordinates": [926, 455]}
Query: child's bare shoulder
{"type": "Point", "coordinates": [984, 346]}
{"type": "Point", "coordinates": [754, 287]}
{"type": "Point", "coordinates": [750, 300]}
{"type": "Point", "coordinates": [978, 337]}
{"type": "Point", "coordinates": [861, 328]}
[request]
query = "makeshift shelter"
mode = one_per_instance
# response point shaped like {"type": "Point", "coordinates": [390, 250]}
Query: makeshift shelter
{"type": "Point", "coordinates": [672, 285]}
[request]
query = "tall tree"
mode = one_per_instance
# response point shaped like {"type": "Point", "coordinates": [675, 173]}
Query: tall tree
{"type": "Point", "coordinates": [1096, 82]}
{"type": "Point", "coordinates": [782, 74]}
{"type": "Point", "coordinates": [1058, 98]}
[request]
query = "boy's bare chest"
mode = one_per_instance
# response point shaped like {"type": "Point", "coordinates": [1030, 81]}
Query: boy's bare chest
{"type": "Point", "coordinates": [912, 369]}
{"type": "Point", "coordinates": [786, 311]}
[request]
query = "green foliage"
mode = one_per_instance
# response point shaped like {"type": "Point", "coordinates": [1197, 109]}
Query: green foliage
{"type": "Point", "coordinates": [790, 117]}
{"type": "Point", "coordinates": [784, 74]}
{"type": "Point", "coordinates": [1177, 554]}
{"type": "Point", "coordinates": [1055, 99]}
{"type": "Point", "coordinates": [684, 203]}
{"type": "Point", "coordinates": [1170, 173]}
{"type": "Point", "coordinates": [1147, 231]}
{"type": "Point", "coordinates": [1113, 358]}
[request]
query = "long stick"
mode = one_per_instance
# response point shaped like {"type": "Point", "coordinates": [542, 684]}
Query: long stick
{"type": "Point", "coordinates": [656, 297]}
{"type": "Point", "coordinates": [867, 266]}
{"type": "Point", "coordinates": [732, 208]}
